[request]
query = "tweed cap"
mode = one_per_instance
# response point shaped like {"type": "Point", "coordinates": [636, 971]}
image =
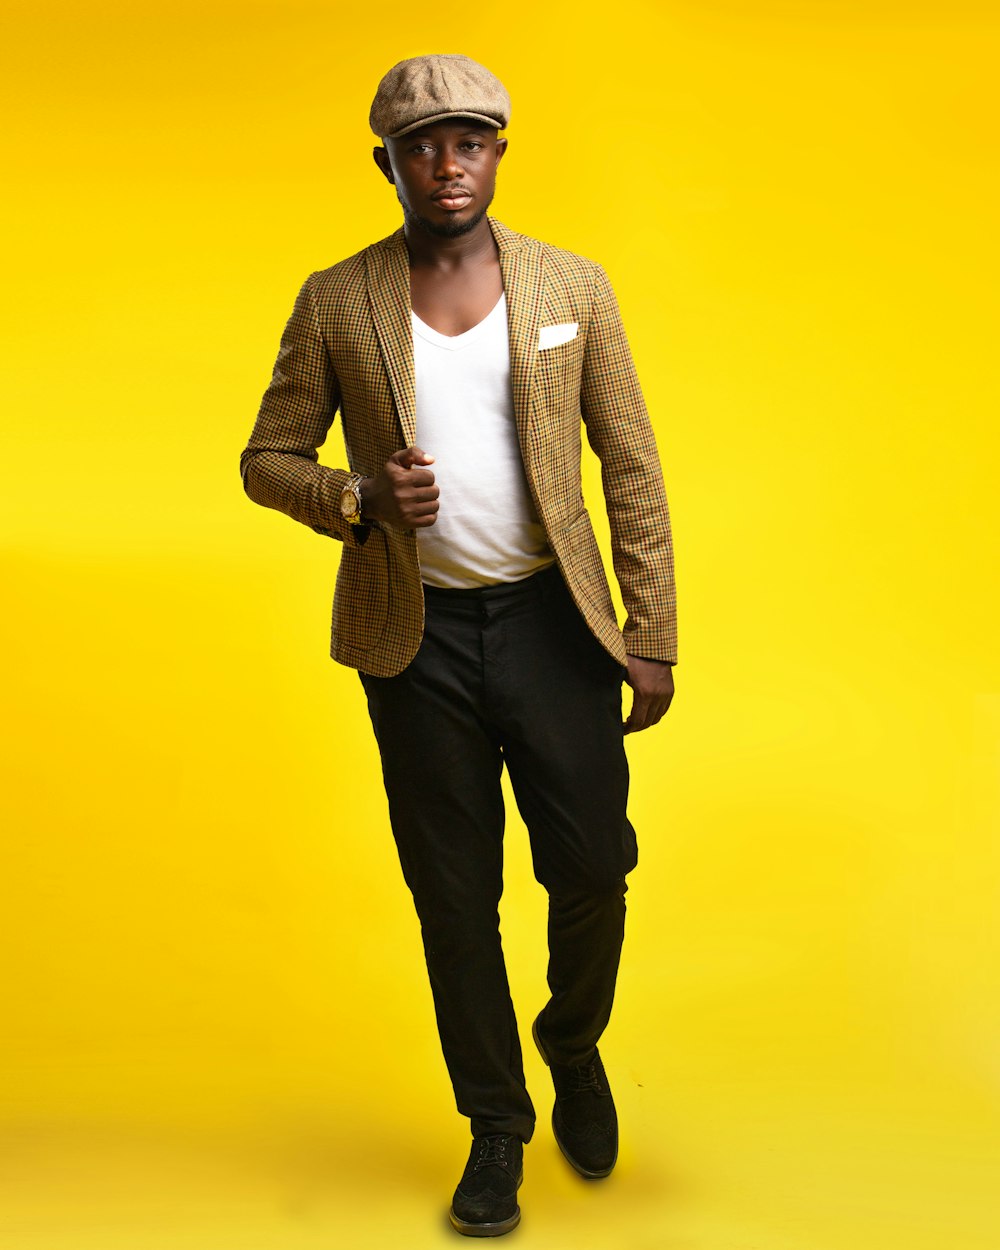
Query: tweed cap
{"type": "Point", "coordinates": [428, 89]}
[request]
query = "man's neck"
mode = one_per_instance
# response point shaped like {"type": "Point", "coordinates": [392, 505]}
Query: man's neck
{"type": "Point", "coordinates": [453, 282]}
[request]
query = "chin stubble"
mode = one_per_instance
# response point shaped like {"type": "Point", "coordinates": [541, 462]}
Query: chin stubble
{"type": "Point", "coordinates": [444, 229]}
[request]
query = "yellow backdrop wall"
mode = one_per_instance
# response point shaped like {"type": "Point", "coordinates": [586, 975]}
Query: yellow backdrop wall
{"type": "Point", "coordinates": [217, 1029]}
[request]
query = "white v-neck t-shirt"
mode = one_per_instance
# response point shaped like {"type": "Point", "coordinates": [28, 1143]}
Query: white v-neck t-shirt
{"type": "Point", "coordinates": [487, 530]}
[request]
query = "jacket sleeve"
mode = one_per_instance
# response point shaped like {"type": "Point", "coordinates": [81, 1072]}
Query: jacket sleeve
{"type": "Point", "coordinates": [280, 464]}
{"type": "Point", "coordinates": [619, 431]}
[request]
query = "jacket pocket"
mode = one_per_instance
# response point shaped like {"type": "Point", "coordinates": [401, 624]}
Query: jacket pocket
{"type": "Point", "coordinates": [361, 598]}
{"type": "Point", "coordinates": [583, 569]}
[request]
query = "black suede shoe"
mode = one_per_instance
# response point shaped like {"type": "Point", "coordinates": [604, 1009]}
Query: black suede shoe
{"type": "Point", "coordinates": [584, 1119]}
{"type": "Point", "coordinates": [485, 1202]}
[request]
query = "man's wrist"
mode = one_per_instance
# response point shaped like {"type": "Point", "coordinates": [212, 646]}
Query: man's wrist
{"type": "Point", "coordinates": [364, 491]}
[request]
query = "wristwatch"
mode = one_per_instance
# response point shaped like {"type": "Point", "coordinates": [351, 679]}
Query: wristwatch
{"type": "Point", "coordinates": [350, 499]}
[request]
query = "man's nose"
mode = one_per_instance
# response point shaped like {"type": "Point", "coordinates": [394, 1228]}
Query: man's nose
{"type": "Point", "coordinates": [449, 165]}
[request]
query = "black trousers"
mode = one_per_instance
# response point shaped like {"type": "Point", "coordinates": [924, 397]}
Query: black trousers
{"type": "Point", "coordinates": [509, 674]}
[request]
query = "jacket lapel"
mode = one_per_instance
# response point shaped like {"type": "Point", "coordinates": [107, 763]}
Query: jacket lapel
{"type": "Point", "coordinates": [521, 268]}
{"type": "Point", "coordinates": [388, 275]}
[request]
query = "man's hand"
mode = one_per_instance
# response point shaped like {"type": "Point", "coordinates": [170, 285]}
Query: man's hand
{"type": "Point", "coordinates": [402, 495]}
{"type": "Point", "coordinates": [652, 683]}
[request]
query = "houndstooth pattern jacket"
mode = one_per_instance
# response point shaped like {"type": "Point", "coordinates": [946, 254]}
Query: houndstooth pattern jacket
{"type": "Point", "coordinates": [348, 345]}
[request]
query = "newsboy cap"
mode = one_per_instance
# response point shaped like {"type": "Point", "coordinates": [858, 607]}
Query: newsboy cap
{"type": "Point", "coordinates": [428, 89]}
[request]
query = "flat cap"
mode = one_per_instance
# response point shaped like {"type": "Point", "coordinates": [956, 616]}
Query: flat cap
{"type": "Point", "coordinates": [428, 89]}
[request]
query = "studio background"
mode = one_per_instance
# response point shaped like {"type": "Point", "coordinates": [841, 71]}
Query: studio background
{"type": "Point", "coordinates": [217, 1031]}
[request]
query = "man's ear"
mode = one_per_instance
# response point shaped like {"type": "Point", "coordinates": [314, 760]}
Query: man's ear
{"type": "Point", "coordinates": [381, 157]}
{"type": "Point", "coordinates": [501, 148]}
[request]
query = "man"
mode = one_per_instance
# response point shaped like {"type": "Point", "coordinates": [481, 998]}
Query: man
{"type": "Point", "coordinates": [471, 595]}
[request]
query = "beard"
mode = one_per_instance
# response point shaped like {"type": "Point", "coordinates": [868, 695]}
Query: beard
{"type": "Point", "coordinates": [451, 229]}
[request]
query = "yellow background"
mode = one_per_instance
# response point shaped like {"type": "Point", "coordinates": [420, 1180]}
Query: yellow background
{"type": "Point", "coordinates": [217, 1032]}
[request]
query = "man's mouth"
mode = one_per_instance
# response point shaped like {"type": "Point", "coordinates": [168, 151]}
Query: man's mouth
{"type": "Point", "coordinates": [452, 198]}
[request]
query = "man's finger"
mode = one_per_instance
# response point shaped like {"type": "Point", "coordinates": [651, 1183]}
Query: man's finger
{"type": "Point", "coordinates": [645, 714]}
{"type": "Point", "coordinates": [636, 719]}
{"type": "Point", "coordinates": [421, 507]}
{"type": "Point", "coordinates": [410, 456]}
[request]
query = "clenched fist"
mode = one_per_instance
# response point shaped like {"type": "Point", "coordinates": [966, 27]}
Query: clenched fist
{"type": "Point", "coordinates": [403, 494]}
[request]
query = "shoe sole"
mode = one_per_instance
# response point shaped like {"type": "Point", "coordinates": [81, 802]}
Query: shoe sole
{"type": "Point", "coordinates": [586, 1173]}
{"type": "Point", "coordinates": [496, 1229]}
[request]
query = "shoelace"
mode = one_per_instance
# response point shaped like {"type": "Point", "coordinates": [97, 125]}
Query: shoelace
{"type": "Point", "coordinates": [492, 1153]}
{"type": "Point", "coordinates": [586, 1080]}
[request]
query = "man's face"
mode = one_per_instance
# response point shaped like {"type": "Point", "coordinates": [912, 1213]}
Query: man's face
{"type": "Point", "coordinates": [444, 174]}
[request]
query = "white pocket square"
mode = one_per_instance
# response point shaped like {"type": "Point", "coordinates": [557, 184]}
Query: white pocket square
{"type": "Point", "coordinates": [553, 336]}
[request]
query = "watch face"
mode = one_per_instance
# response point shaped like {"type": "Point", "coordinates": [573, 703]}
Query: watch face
{"type": "Point", "coordinates": [349, 505]}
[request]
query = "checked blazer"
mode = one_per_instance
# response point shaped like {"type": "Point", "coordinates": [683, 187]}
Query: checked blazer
{"type": "Point", "coordinates": [348, 345]}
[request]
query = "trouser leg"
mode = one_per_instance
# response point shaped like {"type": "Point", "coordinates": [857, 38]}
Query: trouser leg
{"type": "Point", "coordinates": [560, 711]}
{"type": "Point", "coordinates": [585, 942]}
{"type": "Point", "coordinates": [441, 765]}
